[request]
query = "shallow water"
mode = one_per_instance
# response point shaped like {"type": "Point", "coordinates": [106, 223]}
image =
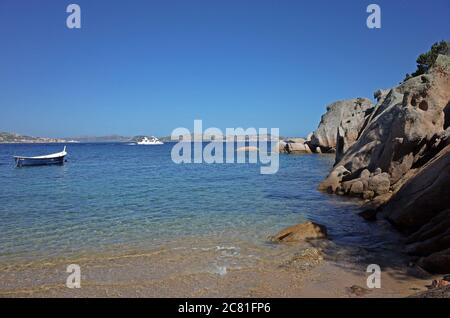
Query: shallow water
{"type": "Point", "coordinates": [117, 200]}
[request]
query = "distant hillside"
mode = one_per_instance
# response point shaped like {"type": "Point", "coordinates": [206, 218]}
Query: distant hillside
{"type": "Point", "coordinates": [16, 138]}
{"type": "Point", "coordinates": [111, 138]}
{"type": "Point", "coordinates": [227, 138]}
{"type": "Point", "coordinates": [165, 139]}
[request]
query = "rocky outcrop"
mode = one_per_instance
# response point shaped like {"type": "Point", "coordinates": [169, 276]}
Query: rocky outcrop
{"type": "Point", "coordinates": [300, 232]}
{"type": "Point", "coordinates": [438, 262]}
{"type": "Point", "coordinates": [339, 126]}
{"type": "Point", "coordinates": [333, 181]}
{"type": "Point", "coordinates": [366, 186]}
{"type": "Point", "coordinates": [338, 129]}
{"type": "Point", "coordinates": [423, 196]}
{"type": "Point", "coordinates": [294, 146]}
{"type": "Point", "coordinates": [404, 131]}
{"type": "Point", "coordinates": [401, 161]}
{"type": "Point", "coordinates": [298, 148]}
{"type": "Point", "coordinates": [421, 208]}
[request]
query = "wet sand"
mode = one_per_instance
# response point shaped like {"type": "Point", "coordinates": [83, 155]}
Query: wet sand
{"type": "Point", "coordinates": [219, 269]}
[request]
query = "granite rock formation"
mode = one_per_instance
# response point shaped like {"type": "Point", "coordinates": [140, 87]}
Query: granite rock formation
{"type": "Point", "coordinates": [400, 163]}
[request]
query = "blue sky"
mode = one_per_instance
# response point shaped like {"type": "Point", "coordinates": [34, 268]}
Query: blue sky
{"type": "Point", "coordinates": [147, 67]}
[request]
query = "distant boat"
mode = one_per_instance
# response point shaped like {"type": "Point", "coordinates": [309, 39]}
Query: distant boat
{"type": "Point", "coordinates": [51, 159]}
{"type": "Point", "coordinates": [149, 141]}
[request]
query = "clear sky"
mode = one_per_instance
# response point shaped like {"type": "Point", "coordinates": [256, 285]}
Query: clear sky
{"type": "Point", "coordinates": [147, 67]}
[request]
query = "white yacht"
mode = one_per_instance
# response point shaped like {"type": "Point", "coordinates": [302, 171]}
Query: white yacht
{"type": "Point", "coordinates": [150, 141]}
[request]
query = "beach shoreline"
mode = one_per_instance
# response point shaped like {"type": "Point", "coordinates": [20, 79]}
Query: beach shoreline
{"type": "Point", "coordinates": [208, 268]}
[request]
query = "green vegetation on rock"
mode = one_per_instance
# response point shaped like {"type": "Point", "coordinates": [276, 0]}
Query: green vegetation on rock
{"type": "Point", "coordinates": [426, 60]}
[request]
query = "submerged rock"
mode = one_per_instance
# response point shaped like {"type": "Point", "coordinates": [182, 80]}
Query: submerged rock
{"type": "Point", "coordinates": [305, 260]}
{"type": "Point", "coordinates": [300, 232]}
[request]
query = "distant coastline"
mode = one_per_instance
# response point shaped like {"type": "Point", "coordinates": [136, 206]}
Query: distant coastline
{"type": "Point", "coordinates": [14, 138]}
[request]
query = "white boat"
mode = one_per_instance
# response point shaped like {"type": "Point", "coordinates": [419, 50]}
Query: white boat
{"type": "Point", "coordinates": [149, 141]}
{"type": "Point", "coordinates": [52, 159]}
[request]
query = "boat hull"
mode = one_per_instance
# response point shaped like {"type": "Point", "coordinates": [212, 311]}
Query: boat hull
{"type": "Point", "coordinates": [22, 162]}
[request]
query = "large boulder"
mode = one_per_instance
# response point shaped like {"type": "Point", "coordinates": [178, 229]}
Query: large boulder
{"type": "Point", "coordinates": [296, 140]}
{"type": "Point", "coordinates": [332, 183]}
{"type": "Point", "coordinates": [344, 119]}
{"type": "Point", "coordinates": [379, 184]}
{"type": "Point", "coordinates": [366, 186]}
{"type": "Point", "coordinates": [297, 147]}
{"type": "Point", "coordinates": [300, 232]}
{"type": "Point", "coordinates": [294, 145]}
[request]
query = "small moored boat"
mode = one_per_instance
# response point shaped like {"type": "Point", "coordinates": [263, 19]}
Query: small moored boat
{"type": "Point", "coordinates": [51, 159]}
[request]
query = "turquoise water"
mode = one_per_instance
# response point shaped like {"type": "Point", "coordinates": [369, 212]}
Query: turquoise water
{"type": "Point", "coordinates": [112, 196]}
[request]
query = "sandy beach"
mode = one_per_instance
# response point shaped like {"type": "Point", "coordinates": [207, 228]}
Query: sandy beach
{"type": "Point", "coordinates": [316, 269]}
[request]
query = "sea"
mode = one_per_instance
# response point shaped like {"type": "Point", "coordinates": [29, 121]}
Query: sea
{"type": "Point", "coordinates": [118, 200]}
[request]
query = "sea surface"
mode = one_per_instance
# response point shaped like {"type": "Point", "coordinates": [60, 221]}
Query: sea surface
{"type": "Point", "coordinates": [119, 199]}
